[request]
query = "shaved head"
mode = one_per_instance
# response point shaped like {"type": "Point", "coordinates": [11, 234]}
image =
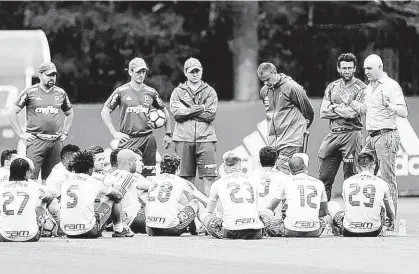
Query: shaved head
{"type": "Point", "coordinates": [296, 165]}
{"type": "Point", "coordinates": [127, 160]}
{"type": "Point", "coordinates": [373, 66]}
{"type": "Point", "coordinates": [374, 60]}
{"type": "Point", "coordinates": [125, 155]}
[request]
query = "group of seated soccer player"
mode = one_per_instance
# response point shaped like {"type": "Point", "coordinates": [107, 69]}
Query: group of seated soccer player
{"type": "Point", "coordinates": [87, 193]}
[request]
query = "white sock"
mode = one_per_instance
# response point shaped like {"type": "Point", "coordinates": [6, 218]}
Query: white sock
{"type": "Point", "coordinates": [118, 227]}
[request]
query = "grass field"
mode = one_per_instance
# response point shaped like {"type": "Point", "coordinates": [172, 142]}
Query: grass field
{"type": "Point", "coordinates": [193, 254]}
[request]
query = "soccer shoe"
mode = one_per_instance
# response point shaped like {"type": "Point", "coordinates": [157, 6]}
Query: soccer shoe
{"type": "Point", "coordinates": [202, 231]}
{"type": "Point", "coordinates": [109, 227]}
{"type": "Point", "coordinates": [126, 232]}
{"type": "Point", "coordinates": [59, 232]}
{"type": "Point", "coordinates": [192, 228]}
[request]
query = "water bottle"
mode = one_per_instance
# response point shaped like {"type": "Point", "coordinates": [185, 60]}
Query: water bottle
{"type": "Point", "coordinates": [402, 227]}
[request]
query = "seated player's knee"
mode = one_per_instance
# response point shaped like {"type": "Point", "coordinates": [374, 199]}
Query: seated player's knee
{"type": "Point", "coordinates": [334, 208]}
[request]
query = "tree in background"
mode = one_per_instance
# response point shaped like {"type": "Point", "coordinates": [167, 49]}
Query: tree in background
{"type": "Point", "coordinates": [92, 42]}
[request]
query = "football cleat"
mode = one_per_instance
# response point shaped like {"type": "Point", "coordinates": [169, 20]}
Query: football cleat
{"type": "Point", "coordinates": [126, 232]}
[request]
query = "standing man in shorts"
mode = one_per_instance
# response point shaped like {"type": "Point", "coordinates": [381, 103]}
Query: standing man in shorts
{"type": "Point", "coordinates": [194, 105]}
{"type": "Point", "coordinates": [45, 131]}
{"type": "Point", "coordinates": [288, 110]}
{"type": "Point", "coordinates": [344, 140]}
{"type": "Point", "coordinates": [135, 99]}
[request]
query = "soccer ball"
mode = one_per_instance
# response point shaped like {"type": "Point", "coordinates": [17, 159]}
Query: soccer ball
{"type": "Point", "coordinates": [157, 118]}
{"type": "Point", "coordinates": [48, 224]}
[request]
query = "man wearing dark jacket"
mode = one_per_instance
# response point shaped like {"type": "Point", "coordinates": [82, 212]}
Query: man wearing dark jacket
{"type": "Point", "coordinates": [288, 110]}
{"type": "Point", "coordinates": [194, 104]}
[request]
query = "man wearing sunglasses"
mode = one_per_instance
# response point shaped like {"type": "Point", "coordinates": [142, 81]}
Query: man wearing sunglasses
{"type": "Point", "coordinates": [135, 100]}
{"type": "Point", "coordinates": [45, 129]}
{"type": "Point", "coordinates": [194, 105]}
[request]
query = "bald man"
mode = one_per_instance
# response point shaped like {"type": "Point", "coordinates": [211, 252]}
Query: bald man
{"type": "Point", "coordinates": [306, 199]}
{"type": "Point", "coordinates": [131, 185]}
{"type": "Point", "coordinates": [384, 102]}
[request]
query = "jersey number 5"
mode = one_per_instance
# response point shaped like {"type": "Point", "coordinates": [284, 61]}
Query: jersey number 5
{"type": "Point", "coordinates": [368, 191]}
{"type": "Point", "coordinates": [236, 188]}
{"type": "Point", "coordinates": [73, 195]}
{"type": "Point", "coordinates": [11, 198]}
{"type": "Point", "coordinates": [303, 197]}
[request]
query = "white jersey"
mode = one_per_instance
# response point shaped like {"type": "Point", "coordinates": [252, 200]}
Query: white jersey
{"type": "Point", "coordinates": [78, 195]}
{"type": "Point", "coordinates": [303, 195]}
{"type": "Point", "coordinates": [130, 203]}
{"type": "Point", "coordinates": [267, 181]}
{"type": "Point", "coordinates": [363, 194]}
{"type": "Point", "coordinates": [19, 199]}
{"type": "Point", "coordinates": [4, 174]}
{"type": "Point", "coordinates": [239, 201]}
{"type": "Point", "coordinates": [164, 197]}
{"type": "Point", "coordinates": [58, 176]}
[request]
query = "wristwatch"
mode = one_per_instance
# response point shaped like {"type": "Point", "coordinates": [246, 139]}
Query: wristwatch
{"type": "Point", "coordinates": [169, 134]}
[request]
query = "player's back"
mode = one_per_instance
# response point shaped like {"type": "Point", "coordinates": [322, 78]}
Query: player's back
{"type": "Point", "coordinates": [267, 181]}
{"type": "Point", "coordinates": [58, 175]}
{"type": "Point", "coordinates": [19, 200]}
{"type": "Point", "coordinates": [363, 194]}
{"type": "Point", "coordinates": [303, 195]}
{"type": "Point", "coordinates": [129, 182]}
{"type": "Point", "coordinates": [238, 199]}
{"type": "Point", "coordinates": [78, 195]}
{"type": "Point", "coordinates": [164, 200]}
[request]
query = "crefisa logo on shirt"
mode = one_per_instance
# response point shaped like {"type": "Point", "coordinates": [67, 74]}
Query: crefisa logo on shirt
{"type": "Point", "coordinates": [137, 109]}
{"type": "Point", "coordinates": [47, 110]}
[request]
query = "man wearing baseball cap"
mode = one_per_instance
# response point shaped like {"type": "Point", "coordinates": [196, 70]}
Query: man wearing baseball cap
{"type": "Point", "coordinates": [194, 105]}
{"type": "Point", "coordinates": [45, 131]}
{"type": "Point", "coordinates": [135, 100]}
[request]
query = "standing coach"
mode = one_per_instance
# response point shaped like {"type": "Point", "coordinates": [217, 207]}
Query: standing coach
{"type": "Point", "coordinates": [135, 99]}
{"type": "Point", "coordinates": [289, 113]}
{"type": "Point", "coordinates": [44, 131]}
{"type": "Point", "coordinates": [384, 102]}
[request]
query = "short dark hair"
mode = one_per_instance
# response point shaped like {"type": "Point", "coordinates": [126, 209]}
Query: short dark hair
{"type": "Point", "coordinates": [68, 149]}
{"type": "Point", "coordinates": [18, 169]}
{"type": "Point", "coordinates": [113, 158]}
{"type": "Point", "coordinates": [137, 151]}
{"type": "Point", "coordinates": [267, 156]}
{"type": "Point", "coordinates": [96, 149]}
{"type": "Point", "coordinates": [169, 163]}
{"type": "Point", "coordinates": [83, 161]}
{"type": "Point", "coordinates": [347, 57]}
{"type": "Point", "coordinates": [7, 155]}
{"type": "Point", "coordinates": [365, 159]}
